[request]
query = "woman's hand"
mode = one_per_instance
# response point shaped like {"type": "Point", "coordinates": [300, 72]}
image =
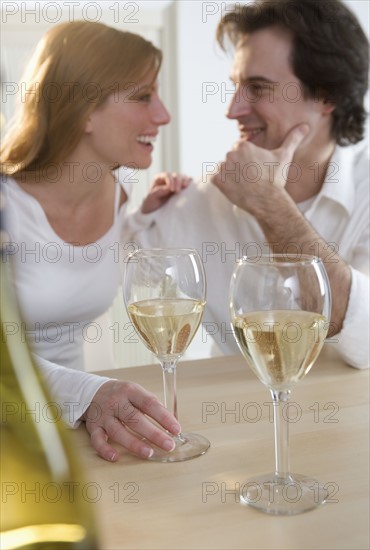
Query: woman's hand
{"type": "Point", "coordinates": [162, 188]}
{"type": "Point", "coordinates": [118, 412]}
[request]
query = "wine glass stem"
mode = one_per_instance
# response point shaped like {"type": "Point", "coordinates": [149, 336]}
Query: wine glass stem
{"type": "Point", "coordinates": [281, 432]}
{"type": "Point", "coordinates": [169, 386]}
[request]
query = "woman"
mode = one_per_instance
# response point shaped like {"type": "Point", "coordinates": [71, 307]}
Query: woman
{"type": "Point", "coordinates": [95, 108]}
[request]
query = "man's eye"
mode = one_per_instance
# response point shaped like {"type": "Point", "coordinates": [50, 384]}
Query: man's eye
{"type": "Point", "coordinates": [253, 90]}
{"type": "Point", "coordinates": [258, 90]}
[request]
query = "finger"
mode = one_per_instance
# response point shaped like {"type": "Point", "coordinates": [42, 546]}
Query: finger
{"type": "Point", "coordinates": [162, 187]}
{"type": "Point", "coordinates": [159, 176]}
{"type": "Point", "coordinates": [178, 180]}
{"type": "Point", "coordinates": [216, 179]}
{"type": "Point", "coordinates": [149, 404]}
{"type": "Point", "coordinates": [165, 182]}
{"type": "Point", "coordinates": [118, 433]}
{"type": "Point", "coordinates": [229, 172]}
{"type": "Point", "coordinates": [164, 191]}
{"type": "Point", "coordinates": [185, 182]}
{"type": "Point", "coordinates": [158, 180]}
{"type": "Point", "coordinates": [99, 441]}
{"type": "Point", "coordinates": [156, 436]}
{"type": "Point", "coordinates": [294, 139]}
{"type": "Point", "coordinates": [139, 423]}
{"type": "Point", "coordinates": [162, 181]}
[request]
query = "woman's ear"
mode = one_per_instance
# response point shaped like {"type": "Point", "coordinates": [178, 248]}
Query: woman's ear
{"type": "Point", "coordinates": [89, 125]}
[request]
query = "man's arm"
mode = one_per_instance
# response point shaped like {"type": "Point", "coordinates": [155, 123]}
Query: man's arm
{"type": "Point", "coordinates": [283, 223]}
{"type": "Point", "coordinates": [278, 215]}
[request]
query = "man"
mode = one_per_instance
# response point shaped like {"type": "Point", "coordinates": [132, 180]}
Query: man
{"type": "Point", "coordinates": [294, 183]}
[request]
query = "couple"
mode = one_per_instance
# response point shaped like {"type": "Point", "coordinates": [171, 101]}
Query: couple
{"type": "Point", "coordinates": [296, 203]}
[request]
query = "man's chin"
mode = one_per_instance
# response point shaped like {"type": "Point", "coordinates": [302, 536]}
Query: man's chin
{"type": "Point", "coordinates": [259, 140]}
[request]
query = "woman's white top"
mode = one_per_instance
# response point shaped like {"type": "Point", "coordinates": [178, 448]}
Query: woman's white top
{"type": "Point", "coordinates": [61, 289]}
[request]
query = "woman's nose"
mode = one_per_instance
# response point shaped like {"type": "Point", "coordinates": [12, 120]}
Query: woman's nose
{"type": "Point", "coordinates": [160, 114]}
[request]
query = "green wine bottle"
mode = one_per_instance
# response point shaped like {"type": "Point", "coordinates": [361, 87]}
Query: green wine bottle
{"type": "Point", "coordinates": [42, 498]}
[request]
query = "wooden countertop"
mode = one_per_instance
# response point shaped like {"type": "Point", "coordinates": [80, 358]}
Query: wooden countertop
{"type": "Point", "coordinates": [195, 504]}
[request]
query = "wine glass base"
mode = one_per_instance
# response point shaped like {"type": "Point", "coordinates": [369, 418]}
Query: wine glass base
{"type": "Point", "coordinates": [283, 496]}
{"type": "Point", "coordinates": [188, 446]}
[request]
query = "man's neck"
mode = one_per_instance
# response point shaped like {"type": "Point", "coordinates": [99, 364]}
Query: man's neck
{"type": "Point", "coordinates": [307, 173]}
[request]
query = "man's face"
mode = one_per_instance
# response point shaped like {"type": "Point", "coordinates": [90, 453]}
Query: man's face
{"type": "Point", "coordinates": [269, 100]}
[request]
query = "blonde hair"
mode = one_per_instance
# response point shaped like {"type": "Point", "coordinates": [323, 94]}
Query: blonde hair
{"type": "Point", "coordinates": [75, 67]}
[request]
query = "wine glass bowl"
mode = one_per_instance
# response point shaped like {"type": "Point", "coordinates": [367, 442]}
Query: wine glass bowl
{"type": "Point", "coordinates": [280, 311]}
{"type": "Point", "coordinates": [164, 292]}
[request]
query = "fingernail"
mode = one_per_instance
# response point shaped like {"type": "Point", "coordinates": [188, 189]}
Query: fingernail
{"type": "Point", "coordinates": [169, 445]}
{"type": "Point", "coordinates": [175, 429]}
{"type": "Point", "coordinates": [304, 128]}
{"type": "Point", "coordinates": [147, 452]}
{"type": "Point", "coordinates": [112, 457]}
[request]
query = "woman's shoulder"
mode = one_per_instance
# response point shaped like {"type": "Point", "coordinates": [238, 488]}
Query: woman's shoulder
{"type": "Point", "coordinates": [11, 196]}
{"type": "Point", "coordinates": [13, 189]}
{"type": "Point", "coordinates": [21, 209]}
{"type": "Point", "coordinates": [9, 183]}
{"type": "Point", "coordinates": [17, 198]}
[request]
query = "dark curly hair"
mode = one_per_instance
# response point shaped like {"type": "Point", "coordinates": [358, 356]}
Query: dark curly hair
{"type": "Point", "coordinates": [330, 53]}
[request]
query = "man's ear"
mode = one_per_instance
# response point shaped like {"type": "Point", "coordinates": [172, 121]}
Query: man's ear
{"type": "Point", "coordinates": [328, 106]}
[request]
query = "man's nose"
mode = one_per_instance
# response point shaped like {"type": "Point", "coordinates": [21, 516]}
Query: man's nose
{"type": "Point", "coordinates": [240, 105]}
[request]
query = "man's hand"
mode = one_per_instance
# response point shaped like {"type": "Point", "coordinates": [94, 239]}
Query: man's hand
{"type": "Point", "coordinates": [118, 412]}
{"type": "Point", "coordinates": [249, 171]}
{"type": "Point", "coordinates": [162, 188]}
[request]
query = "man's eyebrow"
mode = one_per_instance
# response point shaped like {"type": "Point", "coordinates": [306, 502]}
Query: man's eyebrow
{"type": "Point", "coordinates": [253, 79]}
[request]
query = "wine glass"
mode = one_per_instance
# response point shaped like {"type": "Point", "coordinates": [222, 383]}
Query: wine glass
{"type": "Point", "coordinates": [280, 310]}
{"type": "Point", "coordinates": [164, 292]}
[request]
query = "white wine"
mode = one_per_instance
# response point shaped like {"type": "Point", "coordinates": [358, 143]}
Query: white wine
{"type": "Point", "coordinates": [280, 346]}
{"type": "Point", "coordinates": [43, 504]}
{"type": "Point", "coordinates": [166, 325]}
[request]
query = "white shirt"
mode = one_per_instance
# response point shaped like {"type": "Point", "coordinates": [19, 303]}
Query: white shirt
{"type": "Point", "coordinates": [202, 218]}
{"type": "Point", "coordinates": [61, 289]}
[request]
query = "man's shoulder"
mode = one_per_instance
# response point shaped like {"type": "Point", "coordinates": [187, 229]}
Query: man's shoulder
{"type": "Point", "coordinates": [200, 196]}
{"type": "Point", "coordinates": [361, 170]}
{"type": "Point", "coordinates": [354, 161]}
{"type": "Point", "coordinates": [358, 154]}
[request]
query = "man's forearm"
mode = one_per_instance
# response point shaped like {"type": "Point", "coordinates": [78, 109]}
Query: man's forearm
{"type": "Point", "coordinates": [287, 231]}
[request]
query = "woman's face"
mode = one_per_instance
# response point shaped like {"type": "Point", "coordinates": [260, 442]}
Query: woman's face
{"type": "Point", "coordinates": [123, 130]}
